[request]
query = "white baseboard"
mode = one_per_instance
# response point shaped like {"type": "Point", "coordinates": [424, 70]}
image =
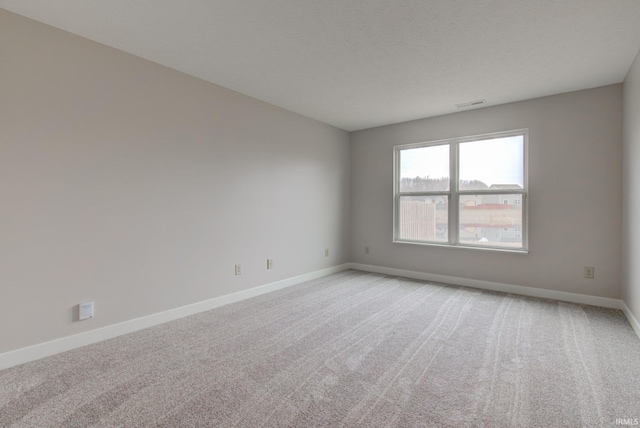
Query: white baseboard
{"type": "Point", "coordinates": [632, 320]}
{"type": "Point", "coordinates": [41, 350]}
{"type": "Point", "coordinates": [508, 288]}
{"type": "Point", "coordinates": [495, 286]}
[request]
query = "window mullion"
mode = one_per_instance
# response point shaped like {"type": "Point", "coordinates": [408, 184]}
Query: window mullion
{"type": "Point", "coordinates": [424, 193]}
{"type": "Point", "coordinates": [453, 197]}
{"type": "Point", "coordinates": [492, 192]}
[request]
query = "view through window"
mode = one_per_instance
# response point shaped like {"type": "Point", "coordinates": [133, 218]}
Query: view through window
{"type": "Point", "coordinates": [477, 184]}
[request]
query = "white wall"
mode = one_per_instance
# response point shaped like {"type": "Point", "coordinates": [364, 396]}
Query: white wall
{"type": "Point", "coordinates": [575, 153]}
{"type": "Point", "coordinates": [631, 201]}
{"type": "Point", "coordinates": [140, 187]}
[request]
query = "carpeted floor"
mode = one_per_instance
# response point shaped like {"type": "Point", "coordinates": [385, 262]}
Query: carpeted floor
{"type": "Point", "coordinates": [350, 349]}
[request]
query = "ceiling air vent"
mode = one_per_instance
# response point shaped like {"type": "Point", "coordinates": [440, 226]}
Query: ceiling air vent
{"type": "Point", "coordinates": [471, 104]}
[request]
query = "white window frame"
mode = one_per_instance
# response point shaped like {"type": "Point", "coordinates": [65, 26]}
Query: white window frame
{"type": "Point", "coordinates": [454, 193]}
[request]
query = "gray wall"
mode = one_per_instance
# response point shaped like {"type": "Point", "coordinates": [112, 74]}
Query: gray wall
{"type": "Point", "coordinates": [575, 199]}
{"type": "Point", "coordinates": [140, 187]}
{"type": "Point", "coordinates": [631, 203]}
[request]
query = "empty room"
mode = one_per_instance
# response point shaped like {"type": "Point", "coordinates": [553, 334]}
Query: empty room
{"type": "Point", "coordinates": [362, 213]}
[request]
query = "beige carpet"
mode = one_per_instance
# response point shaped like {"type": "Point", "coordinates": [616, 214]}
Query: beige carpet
{"type": "Point", "coordinates": [350, 349]}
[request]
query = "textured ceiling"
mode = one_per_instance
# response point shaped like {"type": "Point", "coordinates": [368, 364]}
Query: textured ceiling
{"type": "Point", "coordinates": [357, 64]}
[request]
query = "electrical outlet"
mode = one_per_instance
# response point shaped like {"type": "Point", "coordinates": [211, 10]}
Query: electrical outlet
{"type": "Point", "coordinates": [238, 270]}
{"type": "Point", "coordinates": [589, 272]}
{"type": "Point", "coordinates": [269, 263]}
{"type": "Point", "coordinates": [326, 252]}
{"type": "Point", "coordinates": [366, 249]}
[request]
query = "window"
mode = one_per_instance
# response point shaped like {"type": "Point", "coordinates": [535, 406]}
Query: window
{"type": "Point", "coordinates": [464, 192]}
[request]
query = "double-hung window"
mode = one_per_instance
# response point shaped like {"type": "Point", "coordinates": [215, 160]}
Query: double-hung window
{"type": "Point", "coordinates": [463, 192]}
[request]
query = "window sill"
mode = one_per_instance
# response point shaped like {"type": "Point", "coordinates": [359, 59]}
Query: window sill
{"type": "Point", "coordinates": [465, 247]}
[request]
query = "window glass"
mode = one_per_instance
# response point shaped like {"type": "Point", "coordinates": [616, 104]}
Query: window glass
{"type": "Point", "coordinates": [424, 169]}
{"type": "Point", "coordinates": [495, 221]}
{"type": "Point", "coordinates": [492, 164]}
{"type": "Point", "coordinates": [424, 218]}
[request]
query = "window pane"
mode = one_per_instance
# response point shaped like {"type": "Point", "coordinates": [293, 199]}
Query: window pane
{"type": "Point", "coordinates": [424, 169]}
{"type": "Point", "coordinates": [491, 220]}
{"type": "Point", "coordinates": [424, 218]}
{"type": "Point", "coordinates": [492, 164]}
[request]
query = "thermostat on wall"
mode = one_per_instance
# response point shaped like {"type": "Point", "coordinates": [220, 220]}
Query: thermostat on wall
{"type": "Point", "coordinates": [85, 310]}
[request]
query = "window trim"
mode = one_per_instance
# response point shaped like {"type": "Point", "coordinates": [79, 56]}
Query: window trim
{"type": "Point", "coordinates": [454, 192]}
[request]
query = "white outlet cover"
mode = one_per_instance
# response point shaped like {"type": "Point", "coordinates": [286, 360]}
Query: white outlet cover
{"type": "Point", "coordinates": [85, 310]}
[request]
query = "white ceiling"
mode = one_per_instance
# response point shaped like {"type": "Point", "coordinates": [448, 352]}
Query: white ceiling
{"type": "Point", "coordinates": [357, 64]}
